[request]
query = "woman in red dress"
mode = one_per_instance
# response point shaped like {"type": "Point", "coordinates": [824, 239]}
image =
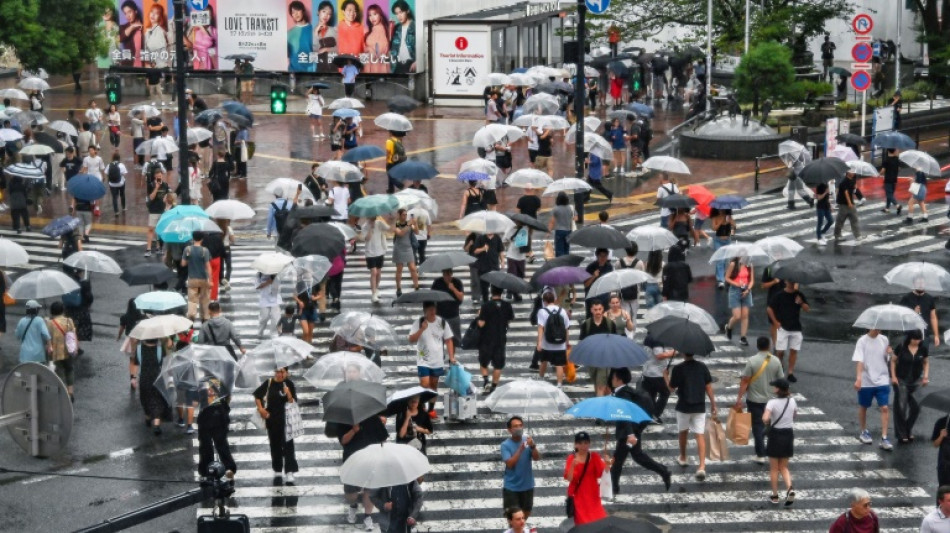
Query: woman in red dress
{"type": "Point", "coordinates": [584, 480]}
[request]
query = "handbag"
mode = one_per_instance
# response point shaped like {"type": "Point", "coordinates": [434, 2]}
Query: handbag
{"type": "Point", "coordinates": [293, 425]}
{"type": "Point", "coordinates": [569, 501]}
{"type": "Point", "coordinates": [914, 188]}
{"type": "Point", "coordinates": [606, 486]}
{"type": "Point", "coordinates": [70, 340]}
{"type": "Point", "coordinates": [738, 426]}
{"type": "Point", "coordinates": [521, 238]}
{"type": "Point", "coordinates": [570, 372]}
{"type": "Point", "coordinates": [8, 300]}
{"type": "Point", "coordinates": [472, 336]}
{"type": "Point", "coordinates": [256, 419]}
{"type": "Point", "coordinates": [415, 443]}
{"type": "Point", "coordinates": [717, 448]}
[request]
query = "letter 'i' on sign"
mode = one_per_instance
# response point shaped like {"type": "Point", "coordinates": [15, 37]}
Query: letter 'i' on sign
{"type": "Point", "coordinates": [278, 99]}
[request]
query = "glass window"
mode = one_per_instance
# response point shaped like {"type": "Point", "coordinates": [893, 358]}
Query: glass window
{"type": "Point", "coordinates": [511, 48]}
{"type": "Point", "coordinates": [557, 51]}
{"type": "Point", "coordinates": [498, 51]}
{"type": "Point", "coordinates": [543, 42]}
{"type": "Point", "coordinates": [529, 45]}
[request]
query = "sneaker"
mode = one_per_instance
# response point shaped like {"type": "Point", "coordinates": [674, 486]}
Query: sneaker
{"type": "Point", "coordinates": [792, 379]}
{"type": "Point", "coordinates": [861, 201]}
{"type": "Point", "coordinates": [923, 218]}
{"type": "Point", "coordinates": [721, 285]}
{"type": "Point", "coordinates": [682, 461]}
{"type": "Point", "coordinates": [822, 241]}
{"type": "Point", "coordinates": [289, 478]}
{"type": "Point", "coordinates": [790, 498]}
{"type": "Point", "coordinates": [908, 220]}
{"type": "Point", "coordinates": [760, 460]}
{"type": "Point", "coordinates": [700, 475]}
{"type": "Point", "coordinates": [351, 515]}
{"type": "Point", "coordinates": [148, 253]}
{"type": "Point", "coordinates": [486, 388]}
{"type": "Point", "coordinates": [899, 209]}
{"type": "Point", "coordinates": [886, 444]}
{"type": "Point", "coordinates": [774, 499]}
{"type": "Point", "coordinates": [743, 341]}
{"type": "Point", "coordinates": [181, 423]}
{"type": "Point", "coordinates": [375, 297]}
{"type": "Point", "coordinates": [865, 437]}
{"type": "Point", "coordinates": [886, 210]}
{"type": "Point", "coordinates": [398, 293]}
{"type": "Point", "coordinates": [368, 523]}
{"type": "Point", "coordinates": [728, 332]}
{"type": "Point", "coordinates": [190, 430]}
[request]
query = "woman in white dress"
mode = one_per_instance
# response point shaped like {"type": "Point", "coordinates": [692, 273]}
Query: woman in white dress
{"type": "Point", "coordinates": [315, 105]}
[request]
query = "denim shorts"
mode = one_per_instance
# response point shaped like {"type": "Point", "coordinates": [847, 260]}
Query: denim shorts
{"type": "Point", "coordinates": [737, 300]}
{"type": "Point", "coordinates": [866, 395]}
{"type": "Point", "coordinates": [425, 371]}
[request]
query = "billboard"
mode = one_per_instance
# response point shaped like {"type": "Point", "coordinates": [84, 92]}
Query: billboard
{"type": "Point", "coordinates": [145, 38]}
{"type": "Point", "coordinates": [201, 34]}
{"type": "Point", "coordinates": [461, 58]}
{"type": "Point", "coordinates": [258, 29]}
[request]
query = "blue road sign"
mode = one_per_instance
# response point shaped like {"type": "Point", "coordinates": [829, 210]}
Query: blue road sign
{"type": "Point", "coordinates": [861, 80]}
{"type": "Point", "coordinates": [597, 7]}
{"type": "Point", "coordinates": [862, 52]}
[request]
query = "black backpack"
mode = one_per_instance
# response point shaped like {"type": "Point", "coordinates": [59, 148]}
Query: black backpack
{"type": "Point", "coordinates": [280, 215]}
{"type": "Point", "coordinates": [555, 331]}
{"type": "Point", "coordinates": [115, 175]}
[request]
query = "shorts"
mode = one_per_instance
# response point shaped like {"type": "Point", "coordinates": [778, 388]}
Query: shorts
{"type": "Point", "coordinates": [867, 394]}
{"type": "Point", "coordinates": [737, 300]}
{"type": "Point", "coordinates": [533, 155]}
{"type": "Point", "coordinates": [351, 489]}
{"type": "Point", "coordinates": [922, 193]}
{"type": "Point", "coordinates": [522, 499]}
{"type": "Point", "coordinates": [316, 115]}
{"type": "Point", "coordinates": [494, 355]}
{"type": "Point", "coordinates": [543, 162]}
{"type": "Point", "coordinates": [310, 315]}
{"type": "Point", "coordinates": [375, 262]}
{"type": "Point", "coordinates": [247, 85]}
{"type": "Point", "coordinates": [598, 375]}
{"type": "Point", "coordinates": [695, 423]}
{"type": "Point", "coordinates": [153, 219]}
{"type": "Point", "coordinates": [425, 372]}
{"type": "Point", "coordinates": [555, 357]}
{"type": "Point", "coordinates": [788, 340]}
{"type": "Point", "coordinates": [95, 126]}
{"type": "Point", "coordinates": [698, 223]}
{"type": "Point", "coordinates": [335, 147]}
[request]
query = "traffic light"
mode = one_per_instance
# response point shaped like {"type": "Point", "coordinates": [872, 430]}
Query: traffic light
{"type": "Point", "coordinates": [114, 89]}
{"type": "Point", "coordinates": [278, 99]}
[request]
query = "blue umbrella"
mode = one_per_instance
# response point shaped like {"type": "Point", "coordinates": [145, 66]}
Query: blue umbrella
{"type": "Point", "coordinates": [237, 110]}
{"type": "Point", "coordinates": [609, 409]}
{"type": "Point", "coordinates": [641, 109]}
{"type": "Point", "coordinates": [374, 205]}
{"type": "Point", "coordinates": [346, 113]}
{"type": "Point", "coordinates": [159, 301]}
{"type": "Point", "coordinates": [413, 170]}
{"type": "Point", "coordinates": [362, 153]}
{"type": "Point", "coordinates": [86, 187]}
{"type": "Point", "coordinates": [893, 139]}
{"type": "Point", "coordinates": [319, 85]}
{"type": "Point", "coordinates": [729, 201]}
{"type": "Point", "coordinates": [61, 226]}
{"type": "Point", "coordinates": [608, 350]}
{"type": "Point", "coordinates": [471, 175]}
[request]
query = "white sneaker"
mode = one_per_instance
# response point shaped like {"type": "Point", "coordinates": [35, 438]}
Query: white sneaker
{"type": "Point", "coordinates": [822, 241]}
{"type": "Point", "coordinates": [289, 478]}
{"type": "Point", "coordinates": [760, 460]}
{"type": "Point", "coordinates": [368, 523]}
{"type": "Point", "coordinates": [375, 297]}
{"type": "Point", "coordinates": [351, 515]}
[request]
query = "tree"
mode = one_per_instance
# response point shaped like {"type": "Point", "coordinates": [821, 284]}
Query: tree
{"type": "Point", "coordinates": [766, 71]}
{"type": "Point", "coordinates": [936, 33]}
{"type": "Point", "coordinates": [60, 36]}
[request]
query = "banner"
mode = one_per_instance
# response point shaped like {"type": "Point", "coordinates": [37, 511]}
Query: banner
{"type": "Point", "coordinates": [257, 29]}
{"type": "Point", "coordinates": [201, 34]}
{"type": "Point", "coordinates": [461, 60]}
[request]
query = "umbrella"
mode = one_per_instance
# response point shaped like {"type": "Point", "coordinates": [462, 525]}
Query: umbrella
{"type": "Point", "coordinates": [541, 104]}
{"type": "Point", "coordinates": [506, 281]}
{"type": "Point", "coordinates": [622, 114]}
{"type": "Point", "coordinates": [160, 326]}
{"type": "Point", "coordinates": [618, 68]}
{"type": "Point", "coordinates": [14, 94]}
{"type": "Point", "coordinates": [608, 350]}
{"type": "Point", "coordinates": [593, 143]}
{"type": "Point", "coordinates": [398, 402]}
{"type": "Point", "coordinates": [890, 317]}
{"type": "Point", "coordinates": [471, 175]}
{"type": "Point", "coordinates": [485, 222]}
{"type": "Point", "coordinates": [493, 79]}
{"type": "Point", "coordinates": [182, 211]}
{"type": "Point", "coordinates": [61, 226]}
{"type": "Point", "coordinates": [919, 276]}
{"type": "Point", "coordinates": [260, 362]}
{"type": "Point", "coordinates": [42, 284]}
{"type": "Point", "coordinates": [599, 237]}
{"type": "Point", "coordinates": [346, 113]}
{"type": "Point", "coordinates": [413, 198]}
{"type": "Point", "coordinates": [529, 221]}
{"type": "Point", "coordinates": [801, 271]}
{"type": "Point", "coordinates": [402, 104]}
{"type": "Point", "coordinates": [312, 212]}
{"type": "Point", "coordinates": [615, 524]}
{"type": "Point", "coordinates": [271, 263]}
{"type": "Point", "coordinates": [676, 201]}
{"type": "Point", "coordinates": [823, 170]}
{"type": "Point", "coordinates": [754, 254]}
{"type": "Point", "coordinates": [553, 87]}
{"type": "Point", "coordinates": [346, 103]}
{"type": "Point", "coordinates": [664, 163]}
{"type": "Point", "coordinates": [641, 109]}
{"type": "Point", "coordinates": [10, 135]}
{"type": "Point", "coordinates": [287, 188]}
{"type": "Point", "coordinates": [318, 239]}
{"type": "Point", "coordinates": [445, 261]}
{"type": "Point", "coordinates": [148, 111]}
{"type": "Point", "coordinates": [196, 135]}
{"type": "Point", "coordinates": [352, 402]}
{"type": "Point", "coordinates": [364, 329]}
{"type": "Point", "coordinates": [384, 465]}
{"type": "Point", "coordinates": [616, 280]}
{"type": "Point", "coordinates": [568, 185]}
{"type": "Point", "coordinates": [592, 123]}
{"type": "Point", "coordinates": [230, 210]}
{"type": "Point", "coordinates": [609, 409]}
{"type": "Point", "coordinates": [488, 135]}
{"type": "Point", "coordinates": [520, 79]}
{"type": "Point", "coordinates": [347, 231]}
{"type": "Point", "coordinates": [92, 261]}
{"type": "Point", "coordinates": [729, 201]}
{"type": "Point", "coordinates": [237, 112]}
{"type": "Point", "coordinates": [691, 312]}
{"type": "Point", "coordinates": [363, 153]}
{"type": "Point", "coordinates": [528, 397]}
{"type": "Point", "coordinates": [374, 205]}
{"type": "Point", "coordinates": [159, 301]}
{"type": "Point", "coordinates": [315, 265]}
{"type": "Point", "coordinates": [424, 295]}
{"type": "Point", "coordinates": [26, 171]}
{"type": "Point", "coordinates": [794, 154]}
{"type": "Point", "coordinates": [413, 170]}
{"type": "Point", "coordinates": [479, 165]}
{"type": "Point", "coordinates": [13, 254]}
{"type": "Point", "coordinates": [938, 399]}
{"type": "Point", "coordinates": [862, 168]}
{"type": "Point", "coordinates": [33, 84]}
{"type": "Point", "coordinates": [44, 138]}
{"type": "Point", "coordinates": [650, 238]}
{"type": "Point", "coordinates": [152, 146]}
{"type": "Point", "coordinates": [63, 127]}
{"type": "Point", "coordinates": [850, 138]}
{"type": "Point", "coordinates": [194, 365]}
{"type": "Point", "coordinates": [681, 334]}
{"type": "Point", "coordinates": [564, 260]}
{"type": "Point", "coordinates": [37, 150]}
{"type": "Point", "coordinates": [839, 71]}
{"type": "Point", "coordinates": [552, 122]}
{"type": "Point", "coordinates": [240, 57]}
{"type": "Point", "coordinates": [319, 85]}
{"type": "Point", "coordinates": [31, 118]}
{"type": "Point", "coordinates": [342, 59]}
{"type": "Point", "coordinates": [565, 275]}
{"type": "Point", "coordinates": [921, 162]}
{"type": "Point", "coordinates": [9, 111]}
{"type": "Point", "coordinates": [340, 171]}
{"type": "Point", "coordinates": [182, 229]}
{"type": "Point", "coordinates": [893, 139]}
{"type": "Point", "coordinates": [529, 178]}
{"type": "Point", "coordinates": [147, 274]}
{"type": "Point", "coordinates": [779, 247]}
{"type": "Point", "coordinates": [393, 122]}
{"type": "Point", "coordinates": [206, 118]}
{"type": "Point", "coordinates": [86, 187]}
{"type": "Point", "coordinates": [843, 153]}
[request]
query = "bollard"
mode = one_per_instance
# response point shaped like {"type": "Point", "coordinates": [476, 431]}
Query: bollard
{"type": "Point", "coordinates": [756, 182]}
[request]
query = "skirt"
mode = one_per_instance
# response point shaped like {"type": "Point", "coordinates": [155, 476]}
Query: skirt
{"type": "Point", "coordinates": [489, 198]}
{"type": "Point", "coordinates": [780, 443]}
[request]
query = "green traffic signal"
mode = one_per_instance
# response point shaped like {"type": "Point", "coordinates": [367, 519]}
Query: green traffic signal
{"type": "Point", "coordinates": [278, 99]}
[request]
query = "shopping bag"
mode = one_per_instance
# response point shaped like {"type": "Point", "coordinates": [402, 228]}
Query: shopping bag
{"type": "Point", "coordinates": [8, 300]}
{"type": "Point", "coordinates": [459, 380]}
{"type": "Point", "coordinates": [293, 425]}
{"type": "Point", "coordinates": [914, 189]}
{"type": "Point", "coordinates": [570, 372]}
{"type": "Point", "coordinates": [606, 486]}
{"type": "Point", "coordinates": [716, 447]}
{"type": "Point", "coordinates": [548, 250]}
{"type": "Point", "coordinates": [738, 426]}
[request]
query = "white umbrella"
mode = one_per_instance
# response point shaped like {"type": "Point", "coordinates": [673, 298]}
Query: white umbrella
{"type": "Point", "coordinates": [486, 222]}
{"type": "Point", "coordinates": [196, 135]}
{"type": "Point", "coordinates": [665, 163]}
{"type": "Point", "coordinates": [346, 103]}
{"type": "Point", "coordinates": [148, 111]}
{"type": "Point", "coordinates": [160, 326]}
{"type": "Point", "coordinates": [10, 110]}
{"type": "Point", "coordinates": [921, 162]}
{"type": "Point", "coordinates": [316, 266]}
{"type": "Point", "coordinates": [690, 312]}
{"type": "Point", "coordinates": [568, 185]}
{"type": "Point", "coordinates": [271, 263]}
{"type": "Point", "coordinates": [843, 153]}
{"type": "Point", "coordinates": [230, 210]}
{"type": "Point", "coordinates": [920, 276]}
{"type": "Point", "coordinates": [12, 254]}
{"type": "Point", "coordinates": [37, 149]}
{"type": "Point", "coordinates": [890, 317]}
{"type": "Point", "coordinates": [544, 72]}
{"type": "Point", "coordinates": [528, 397]}
{"type": "Point", "coordinates": [92, 261]}
{"type": "Point", "coordinates": [794, 154]}
{"type": "Point", "coordinates": [548, 122]}
{"type": "Point", "coordinates": [152, 146]}
{"type": "Point", "coordinates": [618, 279]}
{"type": "Point", "coordinates": [31, 118]}
{"type": "Point", "coordinates": [650, 238]}
{"type": "Point", "coordinates": [488, 135]}
{"type": "Point", "coordinates": [63, 127]}
{"type": "Point", "coordinates": [33, 84]}
{"type": "Point", "coordinates": [529, 178]}
{"type": "Point", "coordinates": [10, 135]}
{"type": "Point", "coordinates": [592, 123]}
{"type": "Point", "coordinates": [541, 104]}
{"type": "Point", "coordinates": [754, 254]}
{"type": "Point", "coordinates": [340, 171]}
{"type": "Point", "coordinates": [14, 94]}
{"type": "Point", "coordinates": [42, 284]}
{"type": "Point", "coordinates": [393, 122]}
{"type": "Point", "coordinates": [287, 188]}
{"type": "Point", "coordinates": [348, 232]}
{"type": "Point", "coordinates": [364, 329]}
{"type": "Point", "coordinates": [411, 198]}
{"type": "Point", "coordinates": [335, 367]}
{"type": "Point", "coordinates": [384, 465]}
{"type": "Point", "coordinates": [522, 79]}
{"type": "Point", "coordinates": [496, 78]}
{"type": "Point", "coordinates": [482, 166]}
{"type": "Point", "coordinates": [593, 143]}
{"type": "Point", "coordinates": [862, 168]}
{"type": "Point", "coordinates": [779, 247]}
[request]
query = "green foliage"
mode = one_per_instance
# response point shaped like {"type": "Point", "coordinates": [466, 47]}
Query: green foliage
{"type": "Point", "coordinates": [807, 90]}
{"type": "Point", "coordinates": [924, 88]}
{"type": "Point", "coordinates": [765, 72]}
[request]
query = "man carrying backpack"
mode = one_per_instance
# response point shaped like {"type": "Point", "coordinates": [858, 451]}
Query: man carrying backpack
{"type": "Point", "coordinates": [198, 260]}
{"type": "Point", "coordinates": [553, 337]}
{"type": "Point", "coordinates": [395, 154]}
{"type": "Point", "coordinates": [116, 172]}
{"type": "Point", "coordinates": [277, 215]}
{"type": "Point", "coordinates": [219, 177]}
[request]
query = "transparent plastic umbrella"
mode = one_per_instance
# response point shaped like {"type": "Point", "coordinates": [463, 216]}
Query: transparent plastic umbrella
{"type": "Point", "coordinates": [919, 275]}
{"type": "Point", "coordinates": [691, 312]}
{"type": "Point", "coordinates": [63, 127]}
{"type": "Point", "coordinates": [197, 135]}
{"type": "Point", "coordinates": [482, 166]}
{"type": "Point", "coordinates": [393, 122]}
{"type": "Point", "coordinates": [287, 188]}
{"type": "Point", "coordinates": [890, 317]}
{"type": "Point", "coordinates": [617, 280]}
{"type": "Point", "coordinates": [346, 103]}
{"type": "Point", "coordinates": [316, 266]}
{"type": "Point", "coordinates": [152, 146]}
{"type": "Point", "coordinates": [488, 135]}
{"type": "Point", "coordinates": [843, 153]}
{"type": "Point", "coordinates": [862, 168]}
{"type": "Point", "coordinates": [794, 155]}
{"type": "Point", "coordinates": [230, 210]}
{"type": "Point", "coordinates": [271, 263]}
{"type": "Point", "coordinates": [336, 367]}
{"type": "Point", "coordinates": [568, 185]}
{"type": "Point", "coordinates": [665, 163]}
{"type": "Point", "coordinates": [40, 284]}
{"type": "Point", "coordinates": [541, 104]}
{"type": "Point", "coordinates": [529, 178]}
{"type": "Point", "coordinates": [593, 143]}
{"type": "Point", "coordinates": [497, 78]}
{"type": "Point", "coordinates": [340, 171]}
{"type": "Point", "coordinates": [921, 161]}
{"type": "Point", "coordinates": [650, 238]}
{"type": "Point", "coordinates": [259, 363]}
{"type": "Point", "coordinates": [363, 329]}
{"type": "Point", "coordinates": [779, 247]}
{"type": "Point", "coordinates": [754, 254]}
{"type": "Point", "coordinates": [384, 465]}
{"type": "Point", "coordinates": [412, 198]}
{"type": "Point", "coordinates": [548, 122]}
{"type": "Point", "coordinates": [188, 368]}
{"type": "Point", "coordinates": [92, 261]}
{"type": "Point", "coordinates": [148, 111]}
{"type": "Point", "coordinates": [347, 231]}
{"type": "Point", "coordinates": [12, 253]}
{"type": "Point", "coordinates": [33, 84]}
{"type": "Point", "coordinates": [528, 397]}
{"type": "Point", "coordinates": [486, 222]}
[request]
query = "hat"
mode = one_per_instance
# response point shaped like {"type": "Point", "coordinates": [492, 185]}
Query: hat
{"type": "Point", "coordinates": [33, 304]}
{"type": "Point", "coordinates": [781, 383]}
{"type": "Point", "coordinates": [188, 91]}
{"type": "Point", "coordinates": [582, 436]}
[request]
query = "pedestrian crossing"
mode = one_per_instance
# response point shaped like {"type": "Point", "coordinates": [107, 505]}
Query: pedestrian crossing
{"type": "Point", "coordinates": [463, 491]}
{"type": "Point", "coordinates": [45, 251]}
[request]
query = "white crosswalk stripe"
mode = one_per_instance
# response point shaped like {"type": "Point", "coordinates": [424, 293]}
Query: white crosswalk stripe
{"type": "Point", "coordinates": [463, 491]}
{"type": "Point", "coordinates": [45, 252]}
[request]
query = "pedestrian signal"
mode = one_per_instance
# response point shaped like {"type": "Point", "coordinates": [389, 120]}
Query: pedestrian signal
{"type": "Point", "coordinates": [278, 99]}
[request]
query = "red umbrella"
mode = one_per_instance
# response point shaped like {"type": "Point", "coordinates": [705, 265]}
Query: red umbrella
{"type": "Point", "coordinates": [703, 197]}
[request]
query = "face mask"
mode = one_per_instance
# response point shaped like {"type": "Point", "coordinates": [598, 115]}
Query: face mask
{"type": "Point", "coordinates": [517, 433]}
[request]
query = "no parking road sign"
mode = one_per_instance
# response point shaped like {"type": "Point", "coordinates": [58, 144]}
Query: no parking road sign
{"type": "Point", "coordinates": [862, 52]}
{"type": "Point", "coordinates": [861, 80]}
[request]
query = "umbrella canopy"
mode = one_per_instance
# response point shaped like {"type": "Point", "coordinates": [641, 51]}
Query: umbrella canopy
{"type": "Point", "coordinates": [340, 171]}
{"type": "Point", "coordinates": [27, 171]}
{"type": "Point", "coordinates": [86, 187]}
{"type": "Point", "coordinates": [318, 239]}
{"type": "Point", "coordinates": [352, 402]}
{"type": "Point", "coordinates": [413, 170]}
{"type": "Point", "coordinates": [240, 57]}
{"type": "Point", "coordinates": [862, 168]}
{"type": "Point", "coordinates": [666, 163]}
{"type": "Point", "coordinates": [851, 138]}
{"type": "Point", "coordinates": [33, 84]}
{"type": "Point", "coordinates": [681, 334]}
{"type": "Point", "coordinates": [12, 253]}
{"type": "Point", "coordinates": [393, 122]}
{"type": "Point", "coordinates": [564, 260]}
{"type": "Point", "coordinates": [260, 363]}
{"type": "Point", "coordinates": [316, 266]}
{"type": "Point", "coordinates": [445, 261]}
{"type": "Point", "coordinates": [410, 198]}
{"type": "Point", "coordinates": [182, 229]}
{"type": "Point", "coordinates": [641, 109]}
{"type": "Point", "coordinates": [921, 162]}
{"type": "Point", "coordinates": [363, 153]}
{"type": "Point", "coordinates": [893, 139]}
{"type": "Point", "coordinates": [529, 221]}
{"type": "Point", "coordinates": [148, 111]}
{"type": "Point", "coordinates": [615, 524]}
{"type": "Point", "coordinates": [506, 281]}
{"type": "Point", "coordinates": [552, 122]}
{"type": "Point", "coordinates": [520, 79]}
{"type": "Point", "coordinates": [801, 271]}
{"type": "Point", "coordinates": [206, 118]}
{"type": "Point", "coordinates": [384, 465]}
{"type": "Point", "coordinates": [346, 113]}
{"type": "Point", "coordinates": [676, 201]}
{"type": "Point", "coordinates": [541, 104]}
{"type": "Point", "coordinates": [529, 178]}
{"type": "Point", "coordinates": [230, 210]}
{"type": "Point", "coordinates": [729, 201]}
{"type": "Point", "coordinates": [919, 276]}
{"type": "Point", "coordinates": [691, 312]}
{"type": "Point", "coordinates": [609, 409]}
{"type": "Point", "coordinates": [591, 123]}
{"type": "Point", "coordinates": [399, 401]}
{"type": "Point", "coordinates": [193, 366]}
{"type": "Point", "coordinates": [485, 222]}
{"type": "Point", "coordinates": [402, 104]}
{"type": "Point", "coordinates": [364, 329]}
{"type": "Point", "coordinates": [528, 397]}
{"type": "Point", "coordinates": [823, 170]}
{"type": "Point", "coordinates": [342, 59]}
{"type": "Point", "coordinates": [890, 317]}
{"type": "Point", "coordinates": [779, 247]}
{"type": "Point", "coordinates": [649, 238]}
{"type": "Point", "coordinates": [63, 127]}
{"type": "Point", "coordinates": [237, 112]}
{"type": "Point", "coordinates": [287, 188]}
{"type": "Point", "coordinates": [471, 175]}
{"type": "Point", "coordinates": [160, 326]}
{"type": "Point", "coordinates": [37, 150]}
{"type": "Point", "coordinates": [938, 399]}
{"type": "Point", "coordinates": [608, 350]}
{"type": "Point", "coordinates": [61, 226]}
{"type": "Point", "coordinates": [616, 280]}
{"type": "Point", "coordinates": [10, 135]}
{"type": "Point", "coordinates": [159, 301]}
{"type": "Point", "coordinates": [843, 153]}
{"type": "Point", "coordinates": [493, 79]}
{"type": "Point", "coordinates": [621, 114]}
{"type": "Point", "coordinates": [794, 155]}
{"type": "Point", "coordinates": [153, 146]}
{"type": "Point", "coordinates": [599, 237]}
{"type": "Point", "coordinates": [593, 143]}
{"type": "Point", "coordinates": [488, 135]}
{"type": "Point", "coordinates": [553, 87]}
{"type": "Point", "coordinates": [479, 165]}
{"type": "Point", "coordinates": [271, 263]}
{"type": "Point", "coordinates": [42, 284]}
{"type": "Point", "coordinates": [347, 231]}
{"type": "Point", "coordinates": [422, 296]}
{"type": "Point", "coordinates": [30, 118]}
{"type": "Point", "coordinates": [374, 205]}
{"type": "Point", "coordinates": [565, 275]}
{"type": "Point", "coordinates": [92, 261]}
{"type": "Point", "coordinates": [754, 254]}
{"type": "Point", "coordinates": [14, 94]}
{"type": "Point", "coordinates": [196, 135]}
{"type": "Point", "coordinates": [568, 185]}
{"type": "Point", "coordinates": [346, 103]}
{"type": "Point", "coordinates": [147, 274]}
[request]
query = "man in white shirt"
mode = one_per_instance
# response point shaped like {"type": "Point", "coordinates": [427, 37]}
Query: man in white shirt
{"type": "Point", "coordinates": [339, 198]}
{"type": "Point", "coordinates": [374, 239]}
{"type": "Point", "coordinates": [432, 336]}
{"type": "Point", "coordinates": [269, 299]}
{"type": "Point", "coordinates": [554, 353]}
{"type": "Point", "coordinates": [92, 164]}
{"type": "Point", "coordinates": [938, 520]}
{"type": "Point", "coordinates": [419, 217]}
{"type": "Point", "coordinates": [873, 382]}
{"type": "Point", "coordinates": [667, 188]}
{"type": "Point", "coordinates": [85, 140]}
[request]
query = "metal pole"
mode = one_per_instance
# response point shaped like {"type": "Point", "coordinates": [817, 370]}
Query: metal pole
{"type": "Point", "coordinates": [864, 107]}
{"type": "Point", "coordinates": [747, 26]}
{"type": "Point", "coordinates": [180, 61]}
{"type": "Point", "coordinates": [897, 60]}
{"type": "Point", "coordinates": [756, 172]}
{"type": "Point", "coordinates": [709, 64]}
{"type": "Point", "coordinates": [34, 415]}
{"type": "Point", "coordinates": [579, 90]}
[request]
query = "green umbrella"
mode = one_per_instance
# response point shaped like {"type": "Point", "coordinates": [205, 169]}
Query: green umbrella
{"type": "Point", "coordinates": [374, 205]}
{"type": "Point", "coordinates": [843, 72]}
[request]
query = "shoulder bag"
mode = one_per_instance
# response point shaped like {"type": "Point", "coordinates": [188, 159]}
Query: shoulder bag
{"type": "Point", "coordinates": [70, 340]}
{"type": "Point", "coordinates": [569, 502]}
{"type": "Point", "coordinates": [771, 424]}
{"type": "Point", "coordinates": [256, 419]}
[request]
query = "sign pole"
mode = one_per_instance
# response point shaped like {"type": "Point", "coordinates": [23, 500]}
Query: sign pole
{"type": "Point", "coordinates": [579, 89]}
{"type": "Point", "coordinates": [864, 107]}
{"type": "Point", "coordinates": [180, 61]}
{"type": "Point", "coordinates": [709, 63]}
{"type": "Point", "coordinates": [897, 61]}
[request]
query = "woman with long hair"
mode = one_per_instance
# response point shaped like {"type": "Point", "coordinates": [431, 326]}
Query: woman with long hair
{"type": "Point", "coordinates": [471, 200]}
{"type": "Point", "coordinates": [127, 323]}
{"type": "Point", "coordinates": [376, 41]}
{"type": "Point", "coordinates": [157, 43]}
{"type": "Point", "coordinates": [350, 31]}
{"type": "Point", "coordinates": [779, 416]}
{"type": "Point", "coordinates": [149, 354]}
{"type": "Point", "coordinates": [203, 39]}
{"type": "Point", "coordinates": [413, 424]}
{"type": "Point", "coordinates": [299, 38]}
{"type": "Point", "coordinates": [315, 105]}
{"type": "Point", "coordinates": [910, 370]}
{"type": "Point", "coordinates": [325, 36]}
{"type": "Point", "coordinates": [402, 250]}
{"type": "Point", "coordinates": [741, 279]}
{"type": "Point", "coordinates": [725, 228]}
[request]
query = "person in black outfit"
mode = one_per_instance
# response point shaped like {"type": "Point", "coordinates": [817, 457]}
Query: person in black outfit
{"type": "Point", "coordinates": [890, 165]}
{"type": "Point", "coordinates": [629, 434]}
{"type": "Point", "coordinates": [597, 269]}
{"type": "Point", "coordinates": [493, 319]}
{"type": "Point", "coordinates": [398, 506]}
{"type": "Point", "coordinates": [926, 306]}
{"type": "Point", "coordinates": [676, 276]}
{"type": "Point", "coordinates": [272, 398]}
{"type": "Point", "coordinates": [529, 204]}
{"type": "Point", "coordinates": [17, 192]}
{"type": "Point", "coordinates": [219, 177]}
{"type": "Point", "coordinates": [487, 250]}
{"type": "Point", "coordinates": [353, 439]}
{"type": "Point", "coordinates": [910, 370]}
{"type": "Point", "coordinates": [940, 441]}
{"type": "Point", "coordinates": [213, 422]}
{"type": "Point", "coordinates": [449, 311]}
{"type": "Point", "coordinates": [413, 424]}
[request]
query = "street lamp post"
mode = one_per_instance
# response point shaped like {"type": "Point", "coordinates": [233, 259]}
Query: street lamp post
{"type": "Point", "coordinates": [579, 89]}
{"type": "Point", "coordinates": [897, 61]}
{"type": "Point", "coordinates": [709, 64]}
{"type": "Point", "coordinates": [747, 26]}
{"type": "Point", "coordinates": [180, 62]}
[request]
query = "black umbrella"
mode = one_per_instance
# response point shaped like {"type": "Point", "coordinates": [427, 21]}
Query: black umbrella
{"type": "Point", "coordinates": [424, 295]}
{"type": "Point", "coordinates": [851, 138]}
{"type": "Point", "coordinates": [528, 220]}
{"type": "Point", "coordinates": [400, 400]}
{"type": "Point", "coordinates": [618, 68]}
{"type": "Point", "coordinates": [342, 59]}
{"type": "Point", "coordinates": [239, 57]}
{"type": "Point", "coordinates": [445, 261]}
{"type": "Point", "coordinates": [237, 112]}
{"type": "Point", "coordinates": [681, 335]}
{"type": "Point", "coordinates": [47, 139]}
{"type": "Point", "coordinates": [402, 104]}
{"type": "Point", "coordinates": [352, 402]}
{"type": "Point", "coordinates": [822, 170]}
{"type": "Point", "coordinates": [506, 281]}
{"type": "Point", "coordinates": [615, 524]}
{"type": "Point", "coordinates": [319, 85]}
{"type": "Point", "coordinates": [318, 239]}
{"type": "Point", "coordinates": [312, 211]}
{"type": "Point", "coordinates": [147, 274]}
{"type": "Point", "coordinates": [599, 237]}
{"type": "Point", "coordinates": [938, 399]}
{"type": "Point", "coordinates": [801, 271]}
{"type": "Point", "coordinates": [676, 201]}
{"type": "Point", "coordinates": [564, 260]}
{"type": "Point", "coordinates": [603, 61]}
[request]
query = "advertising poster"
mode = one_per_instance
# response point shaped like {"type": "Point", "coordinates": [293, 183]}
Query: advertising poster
{"type": "Point", "coordinates": [258, 29]}
{"type": "Point", "coordinates": [201, 34]}
{"type": "Point", "coordinates": [402, 43]}
{"type": "Point", "coordinates": [831, 134]}
{"type": "Point", "coordinates": [350, 28]}
{"type": "Point", "coordinates": [145, 34]}
{"type": "Point", "coordinates": [461, 59]}
{"type": "Point", "coordinates": [131, 29]}
{"type": "Point", "coordinates": [300, 36]}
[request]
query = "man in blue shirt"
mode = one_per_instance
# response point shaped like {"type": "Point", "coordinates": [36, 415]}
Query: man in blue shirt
{"type": "Point", "coordinates": [349, 73]}
{"type": "Point", "coordinates": [517, 453]}
{"type": "Point", "coordinates": [34, 337]}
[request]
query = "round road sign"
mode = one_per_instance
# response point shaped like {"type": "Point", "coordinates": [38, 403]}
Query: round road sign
{"type": "Point", "coordinates": [862, 52]}
{"type": "Point", "coordinates": [861, 80]}
{"type": "Point", "coordinates": [862, 24]}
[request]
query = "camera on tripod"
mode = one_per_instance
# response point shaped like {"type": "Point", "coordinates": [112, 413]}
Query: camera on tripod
{"type": "Point", "coordinates": [220, 520]}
